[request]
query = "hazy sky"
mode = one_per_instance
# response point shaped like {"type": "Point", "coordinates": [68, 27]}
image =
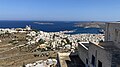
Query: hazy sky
{"type": "Point", "coordinates": [100, 10]}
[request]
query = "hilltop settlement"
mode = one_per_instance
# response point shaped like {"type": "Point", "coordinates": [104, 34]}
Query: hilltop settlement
{"type": "Point", "coordinates": [25, 47]}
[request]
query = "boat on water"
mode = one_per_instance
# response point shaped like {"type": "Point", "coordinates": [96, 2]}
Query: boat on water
{"type": "Point", "coordinates": [101, 31]}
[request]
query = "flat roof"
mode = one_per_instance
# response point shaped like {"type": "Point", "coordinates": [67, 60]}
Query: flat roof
{"type": "Point", "coordinates": [85, 44]}
{"type": "Point", "coordinates": [108, 45]}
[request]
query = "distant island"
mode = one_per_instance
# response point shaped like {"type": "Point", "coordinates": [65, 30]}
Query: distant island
{"type": "Point", "coordinates": [43, 23]}
{"type": "Point", "coordinates": [90, 24]}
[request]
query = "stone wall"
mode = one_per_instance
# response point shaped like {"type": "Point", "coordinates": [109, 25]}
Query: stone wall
{"type": "Point", "coordinates": [99, 54]}
{"type": "Point", "coordinates": [112, 33]}
{"type": "Point", "coordinates": [83, 53]}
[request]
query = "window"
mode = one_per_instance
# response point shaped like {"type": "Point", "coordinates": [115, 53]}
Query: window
{"type": "Point", "coordinates": [86, 61]}
{"type": "Point", "coordinates": [99, 63]}
{"type": "Point", "coordinates": [93, 60]}
{"type": "Point", "coordinates": [116, 34]}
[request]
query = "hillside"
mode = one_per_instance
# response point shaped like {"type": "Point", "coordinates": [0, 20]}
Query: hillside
{"type": "Point", "coordinates": [90, 25]}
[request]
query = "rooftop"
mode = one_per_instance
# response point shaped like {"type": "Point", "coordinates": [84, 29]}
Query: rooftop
{"type": "Point", "coordinates": [84, 44]}
{"type": "Point", "coordinates": [108, 45]}
{"type": "Point", "coordinates": [68, 60]}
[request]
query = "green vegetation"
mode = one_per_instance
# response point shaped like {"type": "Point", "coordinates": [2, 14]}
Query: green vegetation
{"type": "Point", "coordinates": [41, 41]}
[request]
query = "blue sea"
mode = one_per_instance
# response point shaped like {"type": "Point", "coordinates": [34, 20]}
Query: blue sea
{"type": "Point", "coordinates": [56, 26]}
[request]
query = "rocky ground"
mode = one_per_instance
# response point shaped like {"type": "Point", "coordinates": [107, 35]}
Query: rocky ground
{"type": "Point", "coordinates": [13, 52]}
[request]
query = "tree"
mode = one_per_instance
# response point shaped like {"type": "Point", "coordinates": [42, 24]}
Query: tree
{"type": "Point", "coordinates": [41, 41]}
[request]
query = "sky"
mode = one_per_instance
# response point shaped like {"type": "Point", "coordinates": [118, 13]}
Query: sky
{"type": "Point", "coordinates": [60, 10]}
